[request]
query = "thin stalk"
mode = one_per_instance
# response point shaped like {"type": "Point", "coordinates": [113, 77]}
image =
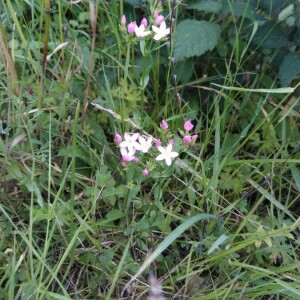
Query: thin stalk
{"type": "Point", "coordinates": [93, 21]}
{"type": "Point", "coordinates": [13, 81]}
{"type": "Point", "coordinates": [172, 63]}
{"type": "Point", "coordinates": [73, 167]}
{"type": "Point", "coordinates": [47, 11]}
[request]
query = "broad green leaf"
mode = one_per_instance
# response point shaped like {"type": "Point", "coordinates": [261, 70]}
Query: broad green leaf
{"type": "Point", "coordinates": [239, 9]}
{"type": "Point", "coordinates": [209, 6]}
{"type": "Point", "coordinates": [271, 36]}
{"type": "Point", "coordinates": [289, 69]}
{"type": "Point", "coordinates": [193, 38]}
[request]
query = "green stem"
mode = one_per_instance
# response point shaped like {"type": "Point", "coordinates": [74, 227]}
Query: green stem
{"type": "Point", "coordinates": [47, 11]}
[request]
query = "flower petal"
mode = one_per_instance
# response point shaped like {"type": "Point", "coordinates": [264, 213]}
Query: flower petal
{"type": "Point", "coordinates": [168, 161]}
{"type": "Point", "coordinates": [155, 29]}
{"type": "Point", "coordinates": [160, 157]}
{"type": "Point", "coordinates": [173, 154]}
{"type": "Point", "coordinates": [161, 149]}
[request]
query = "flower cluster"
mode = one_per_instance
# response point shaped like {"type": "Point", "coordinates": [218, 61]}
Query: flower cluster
{"type": "Point", "coordinates": [142, 31]}
{"type": "Point", "coordinates": [133, 146]}
{"type": "Point", "coordinates": [188, 138]}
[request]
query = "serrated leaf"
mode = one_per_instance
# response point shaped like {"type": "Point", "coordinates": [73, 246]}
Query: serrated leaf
{"type": "Point", "coordinates": [289, 69]}
{"type": "Point", "coordinates": [193, 38]}
{"type": "Point", "coordinates": [209, 6]}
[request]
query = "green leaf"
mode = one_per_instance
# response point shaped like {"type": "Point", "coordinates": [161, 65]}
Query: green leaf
{"type": "Point", "coordinates": [193, 38]}
{"type": "Point", "coordinates": [209, 6]}
{"type": "Point", "coordinates": [217, 243]}
{"type": "Point", "coordinates": [271, 36]}
{"type": "Point", "coordinates": [169, 239]}
{"type": "Point", "coordinates": [240, 9]}
{"type": "Point", "coordinates": [289, 69]}
{"type": "Point", "coordinates": [135, 2]}
{"type": "Point", "coordinates": [296, 176]}
{"type": "Point", "coordinates": [286, 12]}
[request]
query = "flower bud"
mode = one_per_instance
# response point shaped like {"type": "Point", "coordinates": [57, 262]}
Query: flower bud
{"type": "Point", "coordinates": [164, 124]}
{"type": "Point", "coordinates": [123, 20]}
{"type": "Point", "coordinates": [145, 172]}
{"type": "Point", "coordinates": [144, 22]}
{"type": "Point", "coordinates": [158, 143]}
{"type": "Point", "coordinates": [135, 159]}
{"type": "Point", "coordinates": [118, 138]}
{"type": "Point", "coordinates": [188, 126]}
{"type": "Point", "coordinates": [187, 139]}
{"type": "Point", "coordinates": [194, 137]}
{"type": "Point", "coordinates": [159, 19]}
{"type": "Point", "coordinates": [131, 26]}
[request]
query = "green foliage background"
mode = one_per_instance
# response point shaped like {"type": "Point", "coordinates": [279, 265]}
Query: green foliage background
{"type": "Point", "coordinates": [222, 222]}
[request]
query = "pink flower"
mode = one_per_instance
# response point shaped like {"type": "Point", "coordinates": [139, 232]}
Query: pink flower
{"type": "Point", "coordinates": [155, 13]}
{"type": "Point", "coordinates": [123, 20]}
{"type": "Point", "coordinates": [159, 19]}
{"type": "Point", "coordinates": [164, 124]}
{"type": "Point", "coordinates": [187, 139]}
{"type": "Point", "coordinates": [171, 141]}
{"type": "Point", "coordinates": [144, 22]}
{"type": "Point", "coordinates": [118, 138]}
{"type": "Point", "coordinates": [135, 159]}
{"type": "Point", "coordinates": [158, 143]}
{"type": "Point", "coordinates": [126, 158]}
{"type": "Point", "coordinates": [145, 172]}
{"type": "Point", "coordinates": [194, 137]}
{"type": "Point", "coordinates": [131, 26]}
{"type": "Point", "coordinates": [188, 126]}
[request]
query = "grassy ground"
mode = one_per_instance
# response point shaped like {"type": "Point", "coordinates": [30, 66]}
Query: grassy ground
{"type": "Point", "coordinates": [222, 222]}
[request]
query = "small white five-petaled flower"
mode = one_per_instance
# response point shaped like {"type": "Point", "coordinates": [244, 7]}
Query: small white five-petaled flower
{"type": "Point", "coordinates": [130, 142]}
{"type": "Point", "coordinates": [160, 32]}
{"type": "Point", "coordinates": [166, 154]}
{"type": "Point", "coordinates": [145, 144]}
{"type": "Point", "coordinates": [126, 154]}
{"type": "Point", "coordinates": [140, 31]}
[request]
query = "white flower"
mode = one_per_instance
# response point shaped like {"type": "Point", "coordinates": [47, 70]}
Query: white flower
{"type": "Point", "coordinates": [166, 154]}
{"type": "Point", "coordinates": [140, 31]}
{"type": "Point", "coordinates": [127, 154]}
{"type": "Point", "coordinates": [145, 144]}
{"type": "Point", "coordinates": [130, 142]}
{"type": "Point", "coordinates": [161, 32]}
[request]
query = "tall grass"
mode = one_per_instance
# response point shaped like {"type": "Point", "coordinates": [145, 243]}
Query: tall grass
{"type": "Point", "coordinates": [222, 222]}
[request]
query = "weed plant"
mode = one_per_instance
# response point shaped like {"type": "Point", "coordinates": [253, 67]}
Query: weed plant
{"type": "Point", "coordinates": [218, 218]}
